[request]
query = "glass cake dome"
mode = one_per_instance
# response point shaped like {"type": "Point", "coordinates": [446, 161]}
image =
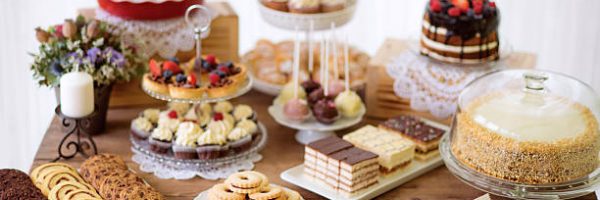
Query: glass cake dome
{"type": "Point", "coordinates": [526, 134]}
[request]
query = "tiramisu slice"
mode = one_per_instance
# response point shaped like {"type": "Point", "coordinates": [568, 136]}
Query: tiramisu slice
{"type": "Point", "coordinates": [316, 154]}
{"type": "Point", "coordinates": [425, 136]}
{"type": "Point", "coordinates": [394, 151]}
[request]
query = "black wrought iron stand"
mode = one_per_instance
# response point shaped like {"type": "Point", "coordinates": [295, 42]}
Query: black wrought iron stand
{"type": "Point", "coordinates": [76, 137]}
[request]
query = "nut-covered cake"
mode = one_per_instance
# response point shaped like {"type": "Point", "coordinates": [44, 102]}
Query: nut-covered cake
{"type": "Point", "coordinates": [525, 137]}
{"type": "Point", "coordinates": [461, 31]}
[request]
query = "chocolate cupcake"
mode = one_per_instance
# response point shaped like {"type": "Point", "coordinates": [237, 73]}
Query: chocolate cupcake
{"type": "Point", "coordinates": [161, 140]}
{"type": "Point", "coordinates": [184, 146]}
{"type": "Point", "coordinates": [239, 140]}
{"type": "Point", "coordinates": [140, 128]}
{"type": "Point", "coordinates": [211, 145]}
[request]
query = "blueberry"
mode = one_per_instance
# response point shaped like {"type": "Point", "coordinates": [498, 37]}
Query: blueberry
{"type": "Point", "coordinates": [167, 74]}
{"type": "Point", "coordinates": [229, 64]}
{"type": "Point", "coordinates": [470, 13]}
{"type": "Point", "coordinates": [206, 66]}
{"type": "Point", "coordinates": [221, 74]}
{"type": "Point", "coordinates": [175, 60]}
{"type": "Point", "coordinates": [55, 68]}
{"type": "Point", "coordinates": [180, 78]}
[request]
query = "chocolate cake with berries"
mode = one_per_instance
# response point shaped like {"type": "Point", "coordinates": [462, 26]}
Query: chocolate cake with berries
{"type": "Point", "coordinates": [461, 31]}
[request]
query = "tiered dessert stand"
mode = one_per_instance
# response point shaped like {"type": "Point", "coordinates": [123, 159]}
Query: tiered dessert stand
{"type": "Point", "coordinates": [167, 166]}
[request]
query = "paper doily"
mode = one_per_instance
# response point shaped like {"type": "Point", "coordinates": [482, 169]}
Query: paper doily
{"type": "Point", "coordinates": [429, 85]}
{"type": "Point", "coordinates": [162, 37]}
{"type": "Point", "coordinates": [180, 171]}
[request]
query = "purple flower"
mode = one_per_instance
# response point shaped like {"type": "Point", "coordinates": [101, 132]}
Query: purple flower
{"type": "Point", "coordinates": [114, 56]}
{"type": "Point", "coordinates": [75, 56]}
{"type": "Point", "coordinates": [92, 55]}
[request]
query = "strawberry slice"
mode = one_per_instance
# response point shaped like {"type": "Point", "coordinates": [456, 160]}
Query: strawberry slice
{"type": "Point", "coordinates": [155, 68]}
{"type": "Point", "coordinates": [454, 12]}
{"type": "Point", "coordinates": [170, 65]}
{"type": "Point", "coordinates": [214, 78]}
{"type": "Point", "coordinates": [463, 5]}
{"type": "Point", "coordinates": [191, 79]}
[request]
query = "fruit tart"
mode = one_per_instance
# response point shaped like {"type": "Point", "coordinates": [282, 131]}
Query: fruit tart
{"type": "Point", "coordinates": [186, 87]}
{"type": "Point", "coordinates": [224, 77]}
{"type": "Point", "coordinates": [160, 76]}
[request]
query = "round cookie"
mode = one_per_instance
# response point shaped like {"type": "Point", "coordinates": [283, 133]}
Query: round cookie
{"type": "Point", "coordinates": [82, 194]}
{"type": "Point", "coordinates": [265, 180]}
{"type": "Point", "coordinates": [221, 191]}
{"type": "Point", "coordinates": [292, 195]}
{"type": "Point", "coordinates": [42, 170]}
{"type": "Point", "coordinates": [61, 190]}
{"type": "Point", "coordinates": [140, 192]}
{"type": "Point", "coordinates": [244, 182]}
{"type": "Point", "coordinates": [271, 192]}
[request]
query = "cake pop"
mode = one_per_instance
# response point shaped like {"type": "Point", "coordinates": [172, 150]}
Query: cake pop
{"type": "Point", "coordinates": [296, 109]}
{"type": "Point", "coordinates": [324, 109]}
{"type": "Point", "coordinates": [348, 102]}
{"type": "Point", "coordinates": [310, 85]}
{"type": "Point", "coordinates": [335, 87]}
{"type": "Point", "coordinates": [315, 96]}
{"type": "Point", "coordinates": [287, 93]}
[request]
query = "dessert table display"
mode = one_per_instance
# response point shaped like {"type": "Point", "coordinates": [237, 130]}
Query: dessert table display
{"type": "Point", "coordinates": [282, 153]}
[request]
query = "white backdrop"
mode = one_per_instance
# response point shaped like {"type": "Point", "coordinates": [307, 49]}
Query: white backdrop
{"type": "Point", "coordinates": [564, 34]}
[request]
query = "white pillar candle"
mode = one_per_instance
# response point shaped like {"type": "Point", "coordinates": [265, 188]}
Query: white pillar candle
{"type": "Point", "coordinates": [76, 94]}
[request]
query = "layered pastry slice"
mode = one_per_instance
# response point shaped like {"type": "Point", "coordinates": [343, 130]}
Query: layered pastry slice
{"type": "Point", "coordinates": [341, 165]}
{"type": "Point", "coordinates": [394, 151]}
{"type": "Point", "coordinates": [461, 31]}
{"type": "Point", "coordinates": [426, 137]}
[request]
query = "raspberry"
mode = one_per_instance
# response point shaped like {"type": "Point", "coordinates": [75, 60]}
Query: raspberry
{"type": "Point", "coordinates": [478, 8]}
{"type": "Point", "coordinates": [492, 4]}
{"type": "Point", "coordinates": [454, 12]}
{"type": "Point", "coordinates": [218, 116]}
{"type": "Point", "coordinates": [214, 78]}
{"type": "Point", "coordinates": [210, 58]}
{"type": "Point", "coordinates": [435, 6]}
{"type": "Point", "coordinates": [173, 114]}
{"type": "Point", "coordinates": [224, 69]}
{"type": "Point", "coordinates": [155, 68]}
{"type": "Point", "coordinates": [170, 65]}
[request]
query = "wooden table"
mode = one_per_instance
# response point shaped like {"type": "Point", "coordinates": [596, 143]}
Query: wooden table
{"type": "Point", "coordinates": [282, 152]}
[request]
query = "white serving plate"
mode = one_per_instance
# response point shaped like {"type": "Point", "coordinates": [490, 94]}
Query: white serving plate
{"type": "Point", "coordinates": [322, 21]}
{"type": "Point", "coordinates": [415, 169]}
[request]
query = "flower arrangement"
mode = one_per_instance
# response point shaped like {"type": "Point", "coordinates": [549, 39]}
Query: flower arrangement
{"type": "Point", "coordinates": [88, 46]}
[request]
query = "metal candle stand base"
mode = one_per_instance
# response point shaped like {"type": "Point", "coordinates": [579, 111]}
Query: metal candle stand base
{"type": "Point", "coordinates": [76, 136]}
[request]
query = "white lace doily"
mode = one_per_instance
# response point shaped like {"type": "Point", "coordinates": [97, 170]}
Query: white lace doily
{"type": "Point", "coordinates": [162, 37]}
{"type": "Point", "coordinates": [429, 85]}
{"type": "Point", "coordinates": [171, 170]}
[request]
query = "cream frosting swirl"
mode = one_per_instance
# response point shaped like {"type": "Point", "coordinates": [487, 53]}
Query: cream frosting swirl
{"type": "Point", "coordinates": [220, 127]}
{"type": "Point", "coordinates": [180, 108]}
{"type": "Point", "coordinates": [210, 137]}
{"type": "Point", "coordinates": [248, 125]}
{"type": "Point", "coordinates": [142, 123]}
{"type": "Point", "coordinates": [188, 128]}
{"type": "Point", "coordinates": [151, 114]}
{"type": "Point", "coordinates": [167, 122]}
{"type": "Point", "coordinates": [237, 133]}
{"type": "Point", "coordinates": [187, 140]}
{"type": "Point", "coordinates": [223, 107]}
{"type": "Point", "coordinates": [242, 111]}
{"type": "Point", "coordinates": [162, 133]}
{"type": "Point", "coordinates": [205, 108]}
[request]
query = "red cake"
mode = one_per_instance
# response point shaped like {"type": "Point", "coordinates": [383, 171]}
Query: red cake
{"type": "Point", "coordinates": [147, 9]}
{"type": "Point", "coordinates": [461, 31]}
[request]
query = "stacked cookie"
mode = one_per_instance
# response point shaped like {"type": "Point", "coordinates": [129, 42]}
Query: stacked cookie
{"type": "Point", "coordinates": [61, 181]}
{"type": "Point", "coordinates": [110, 176]}
{"type": "Point", "coordinates": [15, 184]}
{"type": "Point", "coordinates": [250, 185]}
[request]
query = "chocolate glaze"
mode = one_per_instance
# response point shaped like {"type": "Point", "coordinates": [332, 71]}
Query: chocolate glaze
{"type": "Point", "coordinates": [310, 86]}
{"type": "Point", "coordinates": [465, 26]}
{"type": "Point", "coordinates": [414, 128]}
{"type": "Point", "coordinates": [315, 96]}
{"type": "Point", "coordinates": [324, 111]}
{"type": "Point", "coordinates": [353, 156]}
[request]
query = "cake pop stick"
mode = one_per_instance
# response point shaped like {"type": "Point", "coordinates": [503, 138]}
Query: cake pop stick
{"type": "Point", "coordinates": [326, 86]}
{"type": "Point", "coordinates": [322, 60]}
{"type": "Point", "coordinates": [346, 67]}
{"type": "Point", "coordinates": [310, 48]}
{"type": "Point", "coordinates": [336, 73]}
{"type": "Point", "coordinates": [296, 63]}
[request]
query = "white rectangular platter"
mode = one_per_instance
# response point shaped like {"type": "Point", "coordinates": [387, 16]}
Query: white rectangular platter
{"type": "Point", "coordinates": [416, 168]}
